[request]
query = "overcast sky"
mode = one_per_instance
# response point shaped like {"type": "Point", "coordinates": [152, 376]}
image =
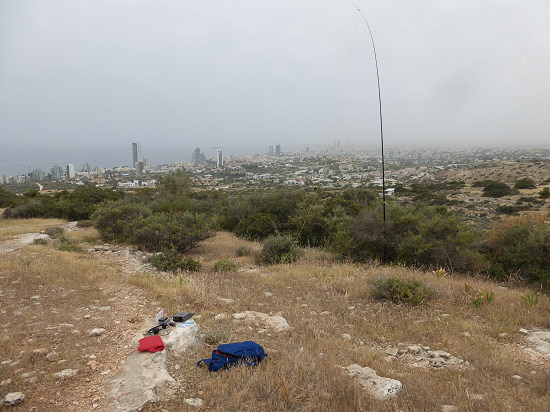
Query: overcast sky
{"type": "Point", "coordinates": [81, 80]}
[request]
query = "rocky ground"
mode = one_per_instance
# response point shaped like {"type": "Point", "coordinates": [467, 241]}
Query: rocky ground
{"type": "Point", "coordinates": [65, 343]}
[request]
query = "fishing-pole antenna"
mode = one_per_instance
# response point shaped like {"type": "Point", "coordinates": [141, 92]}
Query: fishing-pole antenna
{"type": "Point", "coordinates": [380, 111]}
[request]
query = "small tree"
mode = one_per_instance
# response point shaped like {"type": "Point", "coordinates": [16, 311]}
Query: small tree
{"type": "Point", "coordinates": [544, 193]}
{"type": "Point", "coordinates": [525, 183]}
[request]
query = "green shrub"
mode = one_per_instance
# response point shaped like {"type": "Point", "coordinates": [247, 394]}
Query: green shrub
{"type": "Point", "coordinates": [399, 291]}
{"type": "Point", "coordinates": [544, 193]}
{"type": "Point", "coordinates": [69, 247]}
{"type": "Point", "coordinates": [113, 219]}
{"type": "Point", "coordinates": [85, 223]}
{"type": "Point", "coordinates": [173, 262]}
{"type": "Point", "coordinates": [521, 246]}
{"type": "Point", "coordinates": [496, 189]}
{"type": "Point", "coordinates": [525, 183]}
{"type": "Point", "coordinates": [40, 241]}
{"type": "Point", "coordinates": [225, 265]}
{"type": "Point", "coordinates": [191, 265]}
{"type": "Point", "coordinates": [178, 232]}
{"type": "Point", "coordinates": [279, 249]}
{"type": "Point", "coordinates": [54, 232]}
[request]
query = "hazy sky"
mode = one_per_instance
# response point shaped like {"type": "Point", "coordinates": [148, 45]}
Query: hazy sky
{"type": "Point", "coordinates": [81, 80]}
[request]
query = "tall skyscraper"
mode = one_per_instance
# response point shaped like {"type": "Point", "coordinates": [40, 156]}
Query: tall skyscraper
{"type": "Point", "coordinates": [70, 171]}
{"type": "Point", "coordinates": [198, 157]}
{"type": "Point", "coordinates": [271, 150]}
{"type": "Point", "coordinates": [278, 150]}
{"type": "Point", "coordinates": [136, 151]}
{"type": "Point", "coordinates": [219, 158]}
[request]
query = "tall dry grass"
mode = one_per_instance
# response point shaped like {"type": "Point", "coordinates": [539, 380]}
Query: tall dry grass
{"type": "Point", "coordinates": [322, 301]}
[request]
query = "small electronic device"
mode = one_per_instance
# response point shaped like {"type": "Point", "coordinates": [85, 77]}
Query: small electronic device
{"type": "Point", "coordinates": [182, 316]}
{"type": "Point", "coordinates": [163, 321]}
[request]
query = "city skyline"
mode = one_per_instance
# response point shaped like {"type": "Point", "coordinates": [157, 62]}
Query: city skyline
{"type": "Point", "coordinates": [78, 82]}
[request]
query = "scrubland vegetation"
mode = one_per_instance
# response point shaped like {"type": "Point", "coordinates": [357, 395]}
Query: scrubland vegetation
{"type": "Point", "coordinates": [419, 232]}
{"type": "Point", "coordinates": [329, 291]}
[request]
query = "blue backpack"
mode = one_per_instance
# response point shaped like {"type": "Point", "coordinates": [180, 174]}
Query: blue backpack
{"type": "Point", "coordinates": [229, 354]}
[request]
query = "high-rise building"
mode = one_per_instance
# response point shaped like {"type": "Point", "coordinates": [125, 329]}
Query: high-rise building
{"type": "Point", "coordinates": [140, 168]}
{"type": "Point", "coordinates": [70, 171]}
{"type": "Point", "coordinates": [86, 167]}
{"type": "Point", "coordinates": [219, 158]}
{"type": "Point", "coordinates": [145, 162]}
{"type": "Point", "coordinates": [271, 150]}
{"type": "Point", "coordinates": [136, 152]}
{"type": "Point", "coordinates": [57, 173]}
{"type": "Point", "coordinates": [38, 175]}
{"type": "Point", "coordinates": [278, 150]}
{"type": "Point", "coordinates": [198, 157]}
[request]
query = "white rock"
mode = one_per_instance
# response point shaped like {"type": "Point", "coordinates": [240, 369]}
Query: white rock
{"type": "Point", "coordinates": [392, 351]}
{"type": "Point", "coordinates": [381, 387]}
{"type": "Point", "coordinates": [14, 398]}
{"type": "Point", "coordinates": [97, 332]}
{"type": "Point", "coordinates": [449, 408]}
{"type": "Point", "coordinates": [276, 322]}
{"type": "Point", "coordinates": [52, 356]}
{"type": "Point", "coordinates": [227, 301]}
{"type": "Point", "coordinates": [346, 336]}
{"type": "Point", "coordinates": [144, 377]}
{"type": "Point", "coordinates": [65, 374]}
{"type": "Point", "coordinates": [517, 377]}
{"type": "Point", "coordinates": [220, 316]}
{"type": "Point", "coordinates": [268, 294]}
{"type": "Point", "coordinates": [197, 402]}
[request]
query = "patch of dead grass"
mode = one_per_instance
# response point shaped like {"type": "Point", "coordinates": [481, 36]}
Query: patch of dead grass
{"type": "Point", "coordinates": [10, 228]}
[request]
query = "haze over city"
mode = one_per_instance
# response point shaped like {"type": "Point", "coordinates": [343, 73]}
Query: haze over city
{"type": "Point", "coordinates": [79, 82]}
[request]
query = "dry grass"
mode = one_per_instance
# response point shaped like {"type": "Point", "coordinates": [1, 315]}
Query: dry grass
{"type": "Point", "coordinates": [11, 228]}
{"type": "Point", "coordinates": [85, 235]}
{"type": "Point", "coordinates": [44, 295]}
{"type": "Point", "coordinates": [303, 370]}
{"type": "Point", "coordinates": [321, 299]}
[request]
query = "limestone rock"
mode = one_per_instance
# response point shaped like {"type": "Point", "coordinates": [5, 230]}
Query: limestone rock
{"type": "Point", "coordinates": [52, 356]}
{"type": "Point", "coordinates": [97, 332]}
{"type": "Point", "coordinates": [449, 408]}
{"type": "Point", "coordinates": [144, 377]}
{"type": "Point", "coordinates": [14, 398]}
{"type": "Point", "coordinates": [541, 341]}
{"type": "Point", "coordinates": [276, 322]}
{"type": "Point", "coordinates": [380, 387]}
{"type": "Point", "coordinates": [392, 351]}
{"type": "Point", "coordinates": [346, 336]}
{"type": "Point", "coordinates": [197, 402]}
{"type": "Point", "coordinates": [65, 374]}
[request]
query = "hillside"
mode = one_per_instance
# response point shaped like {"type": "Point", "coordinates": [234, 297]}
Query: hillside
{"type": "Point", "coordinates": [51, 299]}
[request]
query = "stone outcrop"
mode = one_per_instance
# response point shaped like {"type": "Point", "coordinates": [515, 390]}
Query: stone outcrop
{"type": "Point", "coordinates": [540, 339]}
{"type": "Point", "coordinates": [144, 377]}
{"type": "Point", "coordinates": [419, 356]}
{"type": "Point", "coordinates": [379, 386]}
{"type": "Point", "coordinates": [275, 322]}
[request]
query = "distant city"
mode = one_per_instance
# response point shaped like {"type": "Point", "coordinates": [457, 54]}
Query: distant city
{"type": "Point", "coordinates": [331, 168]}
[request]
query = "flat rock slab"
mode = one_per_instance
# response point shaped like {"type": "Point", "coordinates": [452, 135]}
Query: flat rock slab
{"type": "Point", "coordinates": [21, 241]}
{"type": "Point", "coordinates": [541, 341]}
{"type": "Point", "coordinates": [144, 377]}
{"type": "Point", "coordinates": [276, 322]}
{"type": "Point", "coordinates": [379, 386]}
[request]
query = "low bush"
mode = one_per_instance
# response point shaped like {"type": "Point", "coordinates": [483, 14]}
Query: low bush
{"type": "Point", "coordinates": [496, 189]}
{"type": "Point", "coordinates": [544, 193]}
{"type": "Point", "coordinates": [174, 262]}
{"type": "Point", "coordinates": [279, 249]}
{"type": "Point", "coordinates": [525, 183]}
{"type": "Point", "coordinates": [41, 241]}
{"type": "Point", "coordinates": [225, 265]}
{"type": "Point", "coordinates": [85, 223]}
{"type": "Point", "coordinates": [69, 247]}
{"type": "Point", "coordinates": [400, 291]}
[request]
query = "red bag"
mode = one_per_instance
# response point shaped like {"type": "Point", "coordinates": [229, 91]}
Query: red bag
{"type": "Point", "coordinates": [151, 343]}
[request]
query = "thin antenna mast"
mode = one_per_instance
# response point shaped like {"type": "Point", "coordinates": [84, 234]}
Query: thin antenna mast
{"type": "Point", "coordinates": [380, 111]}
